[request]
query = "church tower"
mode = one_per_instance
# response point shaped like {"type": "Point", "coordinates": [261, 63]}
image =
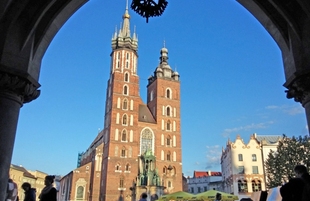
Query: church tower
{"type": "Point", "coordinates": [133, 128]}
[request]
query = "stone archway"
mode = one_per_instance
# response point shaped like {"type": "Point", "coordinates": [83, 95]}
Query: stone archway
{"type": "Point", "coordinates": [27, 28]}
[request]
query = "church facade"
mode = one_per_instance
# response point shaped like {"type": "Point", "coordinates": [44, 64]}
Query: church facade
{"type": "Point", "coordinates": [139, 149]}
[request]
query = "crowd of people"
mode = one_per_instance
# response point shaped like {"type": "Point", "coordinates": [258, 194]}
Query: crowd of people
{"type": "Point", "coordinates": [48, 193]}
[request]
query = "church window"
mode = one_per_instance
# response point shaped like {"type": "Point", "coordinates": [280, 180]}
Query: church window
{"type": "Point", "coordinates": [168, 141]}
{"type": "Point", "coordinates": [127, 167]}
{"type": "Point", "coordinates": [80, 193]}
{"type": "Point", "coordinates": [126, 77]}
{"type": "Point", "coordinates": [118, 167]}
{"type": "Point", "coordinates": [127, 64]}
{"type": "Point", "coordinates": [127, 55]}
{"type": "Point", "coordinates": [168, 125]}
{"type": "Point", "coordinates": [168, 111]}
{"type": "Point", "coordinates": [168, 93]}
{"type": "Point", "coordinates": [254, 157]}
{"type": "Point", "coordinates": [240, 157]}
{"type": "Point", "coordinates": [164, 169]}
{"type": "Point", "coordinates": [168, 156]}
{"type": "Point", "coordinates": [117, 66]}
{"type": "Point", "coordinates": [242, 186]}
{"type": "Point", "coordinates": [124, 136]}
{"type": "Point", "coordinates": [169, 184]}
{"type": "Point", "coordinates": [121, 182]}
{"type": "Point", "coordinates": [125, 92]}
{"type": "Point", "coordinates": [118, 55]}
{"type": "Point", "coordinates": [256, 185]}
{"type": "Point", "coordinates": [123, 152]}
{"type": "Point", "coordinates": [146, 141]}
{"type": "Point", "coordinates": [125, 119]}
{"type": "Point", "coordinates": [125, 104]}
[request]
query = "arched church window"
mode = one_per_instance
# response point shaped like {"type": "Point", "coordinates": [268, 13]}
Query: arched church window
{"type": "Point", "coordinates": [168, 93]}
{"type": "Point", "coordinates": [125, 104]}
{"type": "Point", "coordinates": [118, 55]}
{"type": "Point", "coordinates": [168, 141]}
{"type": "Point", "coordinates": [124, 136]}
{"type": "Point", "coordinates": [168, 125]}
{"type": "Point", "coordinates": [126, 77]}
{"type": "Point", "coordinates": [121, 182]}
{"type": "Point", "coordinates": [117, 65]}
{"type": "Point", "coordinates": [125, 119]}
{"type": "Point", "coordinates": [125, 92]}
{"type": "Point", "coordinates": [127, 55]}
{"type": "Point", "coordinates": [168, 156]}
{"type": "Point", "coordinates": [123, 152]}
{"type": "Point", "coordinates": [118, 167]}
{"type": "Point", "coordinates": [127, 64]}
{"type": "Point", "coordinates": [168, 112]}
{"type": "Point", "coordinates": [146, 141]}
{"type": "Point", "coordinates": [127, 167]}
{"type": "Point", "coordinates": [80, 193]}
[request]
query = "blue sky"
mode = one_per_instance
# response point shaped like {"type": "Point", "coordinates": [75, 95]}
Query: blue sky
{"type": "Point", "coordinates": [231, 82]}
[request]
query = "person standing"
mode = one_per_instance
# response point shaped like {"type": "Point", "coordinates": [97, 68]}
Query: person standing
{"type": "Point", "coordinates": [49, 193]}
{"type": "Point", "coordinates": [30, 193]}
{"type": "Point", "coordinates": [143, 197]}
{"type": "Point", "coordinates": [12, 191]}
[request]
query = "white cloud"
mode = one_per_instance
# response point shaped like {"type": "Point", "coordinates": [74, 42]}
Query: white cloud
{"type": "Point", "coordinates": [252, 126]}
{"type": "Point", "coordinates": [287, 109]}
{"type": "Point", "coordinates": [213, 156]}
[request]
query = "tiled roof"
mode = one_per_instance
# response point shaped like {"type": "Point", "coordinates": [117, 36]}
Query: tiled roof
{"type": "Point", "coordinates": [145, 115]}
{"type": "Point", "coordinates": [270, 139]}
{"type": "Point", "coordinates": [206, 174]}
{"type": "Point", "coordinates": [22, 169]}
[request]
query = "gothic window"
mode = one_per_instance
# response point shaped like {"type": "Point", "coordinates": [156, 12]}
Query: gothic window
{"type": "Point", "coordinates": [168, 156]}
{"type": "Point", "coordinates": [146, 141]}
{"type": "Point", "coordinates": [127, 167]}
{"type": "Point", "coordinates": [164, 169]}
{"type": "Point", "coordinates": [254, 157]}
{"type": "Point", "coordinates": [127, 64]}
{"type": "Point", "coordinates": [125, 92]}
{"type": "Point", "coordinates": [240, 157]}
{"type": "Point", "coordinates": [117, 66]}
{"type": "Point", "coordinates": [168, 125]}
{"type": "Point", "coordinates": [242, 186]}
{"type": "Point", "coordinates": [118, 55]}
{"type": "Point", "coordinates": [121, 182]}
{"type": "Point", "coordinates": [168, 141]}
{"type": "Point", "coordinates": [168, 93]}
{"type": "Point", "coordinates": [118, 167]}
{"type": "Point", "coordinates": [124, 136]}
{"type": "Point", "coordinates": [127, 56]}
{"type": "Point", "coordinates": [124, 119]}
{"type": "Point", "coordinates": [126, 77]}
{"type": "Point", "coordinates": [80, 193]}
{"type": "Point", "coordinates": [123, 152]}
{"type": "Point", "coordinates": [125, 104]}
{"type": "Point", "coordinates": [256, 185]}
{"type": "Point", "coordinates": [169, 184]}
{"type": "Point", "coordinates": [168, 111]}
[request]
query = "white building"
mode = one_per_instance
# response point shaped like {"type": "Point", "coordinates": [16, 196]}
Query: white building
{"type": "Point", "coordinates": [203, 181]}
{"type": "Point", "coordinates": [242, 164]}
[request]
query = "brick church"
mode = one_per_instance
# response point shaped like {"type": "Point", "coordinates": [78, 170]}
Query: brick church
{"type": "Point", "coordinates": [139, 149]}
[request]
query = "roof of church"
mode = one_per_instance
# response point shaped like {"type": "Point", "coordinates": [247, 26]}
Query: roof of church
{"type": "Point", "coordinates": [206, 174]}
{"type": "Point", "coordinates": [270, 139]}
{"type": "Point", "coordinates": [145, 114]}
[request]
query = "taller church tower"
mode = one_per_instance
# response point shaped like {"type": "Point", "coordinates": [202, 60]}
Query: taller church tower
{"type": "Point", "coordinates": [132, 128]}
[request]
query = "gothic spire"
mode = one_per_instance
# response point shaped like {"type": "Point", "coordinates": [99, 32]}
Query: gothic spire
{"type": "Point", "coordinates": [126, 24]}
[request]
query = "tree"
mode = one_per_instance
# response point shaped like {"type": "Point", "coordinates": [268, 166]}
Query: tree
{"type": "Point", "coordinates": [280, 164]}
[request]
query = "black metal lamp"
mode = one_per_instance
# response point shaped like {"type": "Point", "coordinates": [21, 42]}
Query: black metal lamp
{"type": "Point", "coordinates": [149, 8]}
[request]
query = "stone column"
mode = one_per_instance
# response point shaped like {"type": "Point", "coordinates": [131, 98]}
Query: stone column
{"type": "Point", "coordinates": [300, 91]}
{"type": "Point", "coordinates": [14, 91]}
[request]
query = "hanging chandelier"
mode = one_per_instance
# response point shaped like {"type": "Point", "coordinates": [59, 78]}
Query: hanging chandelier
{"type": "Point", "coordinates": [149, 8]}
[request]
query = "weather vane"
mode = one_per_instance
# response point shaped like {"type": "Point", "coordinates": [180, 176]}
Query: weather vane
{"type": "Point", "coordinates": [149, 8]}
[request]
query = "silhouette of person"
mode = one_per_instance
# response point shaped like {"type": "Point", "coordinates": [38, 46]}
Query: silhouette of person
{"type": "Point", "coordinates": [30, 193]}
{"type": "Point", "coordinates": [49, 193]}
{"type": "Point", "coordinates": [143, 197]}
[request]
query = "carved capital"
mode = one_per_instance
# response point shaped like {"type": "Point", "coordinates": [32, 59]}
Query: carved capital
{"type": "Point", "coordinates": [300, 89]}
{"type": "Point", "coordinates": [23, 88]}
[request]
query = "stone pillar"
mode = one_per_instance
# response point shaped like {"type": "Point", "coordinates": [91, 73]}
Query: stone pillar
{"type": "Point", "coordinates": [300, 91]}
{"type": "Point", "coordinates": [14, 91]}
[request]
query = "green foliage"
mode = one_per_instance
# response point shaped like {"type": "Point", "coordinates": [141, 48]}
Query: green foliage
{"type": "Point", "coordinates": [280, 164]}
